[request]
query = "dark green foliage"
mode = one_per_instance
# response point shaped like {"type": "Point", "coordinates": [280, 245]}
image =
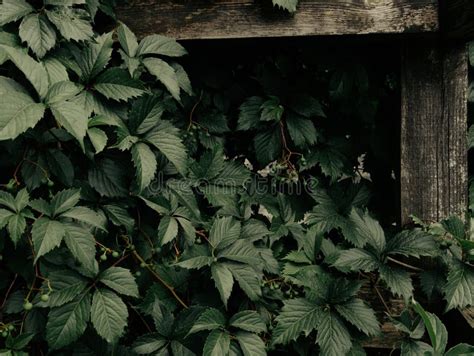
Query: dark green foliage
{"type": "Point", "coordinates": [139, 215]}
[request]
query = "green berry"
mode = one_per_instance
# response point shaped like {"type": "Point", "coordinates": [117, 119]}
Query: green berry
{"type": "Point", "coordinates": [158, 249]}
{"type": "Point", "coordinates": [11, 327]}
{"type": "Point", "coordinates": [131, 247]}
{"type": "Point", "coordinates": [5, 334]}
{"type": "Point", "coordinates": [27, 306]}
{"type": "Point", "coordinates": [1, 257]}
{"type": "Point", "coordinates": [50, 183]}
{"type": "Point", "coordinates": [143, 265]}
{"type": "Point", "coordinates": [471, 252]}
{"type": "Point", "coordinates": [138, 273]}
{"type": "Point", "coordinates": [44, 297]}
{"type": "Point", "coordinates": [198, 241]}
{"type": "Point", "coordinates": [215, 259]}
{"type": "Point", "coordinates": [103, 257]}
{"type": "Point", "coordinates": [115, 254]}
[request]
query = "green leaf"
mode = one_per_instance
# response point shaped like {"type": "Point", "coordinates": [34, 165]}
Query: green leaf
{"type": "Point", "coordinates": [296, 317]}
{"type": "Point", "coordinates": [196, 262]}
{"type": "Point", "coordinates": [5, 215]}
{"type": "Point", "coordinates": [47, 234]}
{"type": "Point", "coordinates": [356, 259]}
{"type": "Point", "coordinates": [146, 112]}
{"type": "Point", "coordinates": [222, 277]}
{"type": "Point", "coordinates": [65, 200]}
{"type": "Point", "coordinates": [333, 337]}
{"type": "Point", "coordinates": [242, 251]}
{"type": "Point", "coordinates": [60, 166]}
{"type": "Point", "coordinates": [70, 24]}
{"type": "Point", "coordinates": [271, 110]}
{"type": "Point", "coordinates": [249, 111]}
{"type": "Point", "coordinates": [183, 79]}
{"type": "Point", "coordinates": [87, 216]}
{"type": "Point", "coordinates": [108, 314]}
{"type": "Point", "coordinates": [12, 10]}
{"type": "Point", "coordinates": [289, 5]}
{"type": "Point", "coordinates": [18, 112]}
{"type": "Point", "coordinates": [459, 289]}
{"type": "Point", "coordinates": [16, 227]}
{"type": "Point", "coordinates": [165, 138]}
{"type": "Point", "coordinates": [247, 278]}
{"type": "Point", "coordinates": [149, 344]}
{"type": "Point", "coordinates": [127, 40]}
{"type": "Point", "coordinates": [368, 229]}
{"type": "Point", "coordinates": [68, 322]}
{"type": "Point", "coordinates": [397, 280]}
{"type": "Point", "coordinates": [116, 84]}
{"type": "Point", "coordinates": [95, 57]}
{"type": "Point", "coordinates": [460, 350]}
{"type": "Point", "coordinates": [413, 243]}
{"type": "Point", "coordinates": [210, 319]}
{"type": "Point", "coordinates": [356, 312]}
{"type": "Point", "coordinates": [224, 232]}
{"type": "Point", "coordinates": [217, 343]}
{"type": "Point", "coordinates": [19, 342]}
{"type": "Point", "coordinates": [165, 74]}
{"type": "Point", "coordinates": [81, 243]}
{"type": "Point", "coordinates": [267, 145]}
{"type": "Point", "coordinates": [248, 320]}
{"type": "Point", "coordinates": [120, 280]}
{"type": "Point", "coordinates": [331, 161]}
{"type": "Point", "coordinates": [66, 286]}
{"type": "Point", "coordinates": [8, 85]}
{"type": "Point", "coordinates": [161, 45]}
{"type": "Point", "coordinates": [303, 133]}
{"type": "Point", "coordinates": [98, 139]}
{"type": "Point", "coordinates": [108, 179]}
{"type": "Point", "coordinates": [72, 117]}
{"type": "Point", "coordinates": [167, 230]}
{"type": "Point", "coordinates": [37, 32]}
{"type": "Point", "coordinates": [436, 329]}
{"type": "Point", "coordinates": [250, 344]}
{"type": "Point", "coordinates": [145, 163]}
{"type": "Point", "coordinates": [34, 71]}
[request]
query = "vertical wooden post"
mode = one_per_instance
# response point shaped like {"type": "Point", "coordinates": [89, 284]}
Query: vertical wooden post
{"type": "Point", "coordinates": [433, 172]}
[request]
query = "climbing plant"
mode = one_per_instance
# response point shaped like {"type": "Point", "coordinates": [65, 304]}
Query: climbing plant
{"type": "Point", "coordinates": [142, 215]}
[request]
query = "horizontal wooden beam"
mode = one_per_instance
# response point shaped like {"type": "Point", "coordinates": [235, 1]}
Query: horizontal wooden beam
{"type": "Point", "coordinates": [457, 19]}
{"type": "Point", "coordinates": [220, 19]}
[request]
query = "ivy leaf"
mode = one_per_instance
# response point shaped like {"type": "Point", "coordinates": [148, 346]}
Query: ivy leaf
{"type": "Point", "coordinates": [120, 280]}
{"type": "Point", "coordinates": [217, 343]}
{"type": "Point", "coordinates": [18, 112]}
{"type": "Point", "coordinates": [68, 322]}
{"type": "Point", "coordinates": [333, 337]}
{"type": "Point", "coordinates": [247, 278]}
{"type": "Point", "coordinates": [127, 40]}
{"type": "Point", "coordinates": [413, 243]}
{"type": "Point", "coordinates": [459, 289]}
{"type": "Point", "coordinates": [81, 243]}
{"type": "Point", "coordinates": [95, 57]}
{"type": "Point", "coordinates": [116, 84]}
{"type": "Point", "coordinates": [72, 117]}
{"type": "Point", "coordinates": [249, 113]}
{"type": "Point", "coordinates": [296, 317]}
{"type": "Point", "coordinates": [196, 262]}
{"type": "Point", "coordinates": [248, 320]}
{"type": "Point", "coordinates": [167, 230]}
{"type": "Point", "coordinates": [271, 110]}
{"type": "Point", "coordinates": [368, 229]}
{"type": "Point", "coordinates": [149, 344]}
{"type": "Point", "coordinates": [303, 133]}
{"type": "Point", "coordinates": [47, 234]}
{"type": "Point", "coordinates": [210, 319]}
{"type": "Point", "coordinates": [108, 314]}
{"type": "Point", "coordinates": [16, 227]}
{"type": "Point", "coordinates": [161, 45]}
{"type": "Point", "coordinates": [145, 163]}
{"type": "Point", "coordinates": [165, 138]}
{"type": "Point", "coordinates": [356, 312]}
{"type": "Point", "coordinates": [222, 277]}
{"type": "Point", "coordinates": [66, 286]}
{"type": "Point", "coordinates": [224, 232]}
{"type": "Point", "coordinates": [397, 280]}
{"type": "Point", "coordinates": [65, 200]}
{"type": "Point", "coordinates": [87, 216]}
{"type": "Point", "coordinates": [108, 179]}
{"type": "Point", "coordinates": [5, 215]}
{"type": "Point", "coordinates": [12, 10]}
{"type": "Point", "coordinates": [98, 139]}
{"type": "Point", "coordinates": [356, 259]}
{"type": "Point", "coordinates": [289, 5]}
{"type": "Point", "coordinates": [70, 24]}
{"type": "Point", "coordinates": [165, 74]}
{"type": "Point", "coordinates": [38, 33]}
{"type": "Point", "coordinates": [268, 145]}
{"type": "Point", "coordinates": [250, 344]}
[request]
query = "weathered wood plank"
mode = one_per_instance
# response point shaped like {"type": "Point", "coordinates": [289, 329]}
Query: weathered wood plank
{"type": "Point", "coordinates": [433, 133]}
{"type": "Point", "coordinates": [457, 19]}
{"type": "Point", "coordinates": [204, 19]}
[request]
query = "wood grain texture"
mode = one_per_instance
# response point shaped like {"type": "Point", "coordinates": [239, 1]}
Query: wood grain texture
{"type": "Point", "coordinates": [433, 133]}
{"type": "Point", "coordinates": [217, 19]}
{"type": "Point", "coordinates": [457, 19]}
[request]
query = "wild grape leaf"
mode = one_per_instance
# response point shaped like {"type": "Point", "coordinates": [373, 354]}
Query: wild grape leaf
{"type": "Point", "coordinates": [210, 319]}
{"type": "Point", "coordinates": [161, 45]}
{"type": "Point", "coordinates": [108, 314]}
{"type": "Point", "coordinates": [222, 277]}
{"type": "Point", "coordinates": [217, 343]}
{"type": "Point", "coordinates": [47, 234]}
{"type": "Point", "coordinates": [127, 40]}
{"type": "Point", "coordinates": [248, 320]}
{"type": "Point", "coordinates": [459, 289]}
{"type": "Point", "coordinates": [145, 163]}
{"type": "Point", "coordinates": [120, 280]}
{"type": "Point", "coordinates": [12, 10]}
{"type": "Point", "coordinates": [333, 337]}
{"type": "Point", "coordinates": [38, 33]}
{"type": "Point", "coordinates": [70, 23]}
{"type": "Point", "coordinates": [81, 243]}
{"type": "Point", "coordinates": [116, 84]}
{"type": "Point", "coordinates": [165, 74]}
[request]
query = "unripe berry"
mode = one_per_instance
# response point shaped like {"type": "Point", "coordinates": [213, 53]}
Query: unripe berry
{"type": "Point", "coordinates": [44, 297]}
{"type": "Point", "coordinates": [103, 257]}
{"type": "Point", "coordinates": [27, 306]}
{"type": "Point", "coordinates": [143, 265]}
{"type": "Point", "coordinates": [115, 254]}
